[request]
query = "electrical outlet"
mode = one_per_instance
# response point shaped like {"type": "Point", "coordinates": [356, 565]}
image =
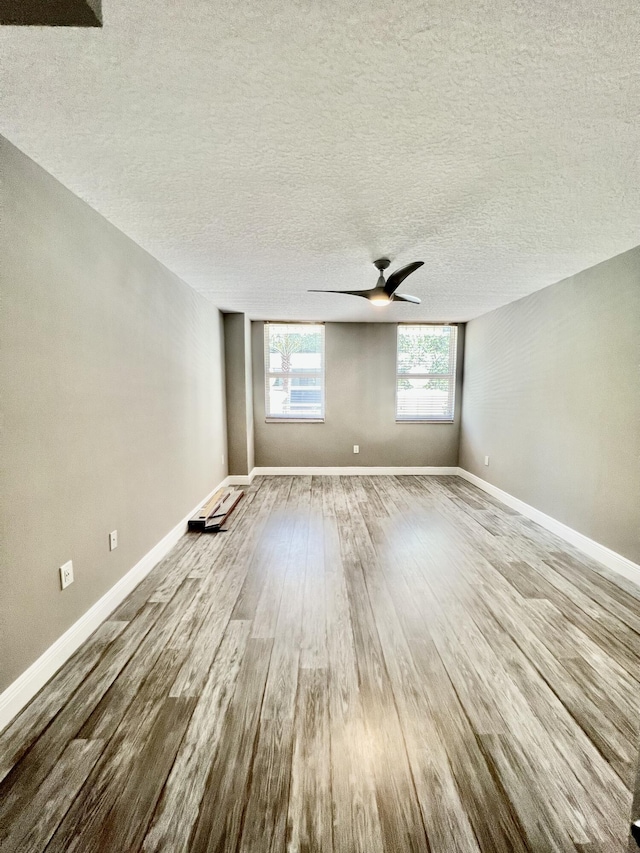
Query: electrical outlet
{"type": "Point", "coordinates": [66, 574]}
{"type": "Point", "coordinates": [223, 458]}
{"type": "Point", "coordinates": [356, 448]}
{"type": "Point", "coordinates": [113, 540]}
{"type": "Point", "coordinates": [486, 460]}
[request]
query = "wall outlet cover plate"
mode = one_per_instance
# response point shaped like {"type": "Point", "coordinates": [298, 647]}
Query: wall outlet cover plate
{"type": "Point", "coordinates": [66, 574]}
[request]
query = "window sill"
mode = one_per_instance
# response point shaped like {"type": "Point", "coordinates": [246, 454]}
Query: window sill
{"type": "Point", "coordinates": [294, 420]}
{"type": "Point", "coordinates": [423, 421]}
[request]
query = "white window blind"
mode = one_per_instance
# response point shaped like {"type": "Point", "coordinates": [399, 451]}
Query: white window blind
{"type": "Point", "coordinates": [426, 373]}
{"type": "Point", "coordinates": [294, 371]}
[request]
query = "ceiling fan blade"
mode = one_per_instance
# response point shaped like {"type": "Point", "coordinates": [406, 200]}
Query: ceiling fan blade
{"type": "Point", "coordinates": [396, 278]}
{"type": "Point", "coordinates": [364, 293]}
{"type": "Point", "coordinates": [404, 297]}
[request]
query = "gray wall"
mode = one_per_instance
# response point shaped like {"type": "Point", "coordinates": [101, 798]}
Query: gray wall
{"type": "Point", "coordinates": [552, 395]}
{"type": "Point", "coordinates": [359, 408]}
{"type": "Point", "coordinates": [248, 384]}
{"type": "Point", "coordinates": [113, 407]}
{"type": "Point", "coordinates": [239, 392]}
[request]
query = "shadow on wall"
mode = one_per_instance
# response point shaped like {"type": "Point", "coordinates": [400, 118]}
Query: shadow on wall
{"type": "Point", "coordinates": [51, 13]}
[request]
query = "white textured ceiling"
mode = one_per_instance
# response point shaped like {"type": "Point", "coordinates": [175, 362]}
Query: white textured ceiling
{"type": "Point", "coordinates": [262, 148]}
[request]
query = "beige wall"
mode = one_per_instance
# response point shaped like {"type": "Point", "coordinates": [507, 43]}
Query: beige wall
{"type": "Point", "coordinates": [359, 408]}
{"type": "Point", "coordinates": [552, 396]}
{"type": "Point", "coordinates": [112, 399]}
{"type": "Point", "coordinates": [248, 384]}
{"type": "Point", "coordinates": [239, 392]}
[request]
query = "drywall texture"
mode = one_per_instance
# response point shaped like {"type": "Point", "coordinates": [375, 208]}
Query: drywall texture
{"type": "Point", "coordinates": [360, 375]}
{"type": "Point", "coordinates": [113, 406]}
{"type": "Point", "coordinates": [239, 392]}
{"type": "Point", "coordinates": [552, 396]}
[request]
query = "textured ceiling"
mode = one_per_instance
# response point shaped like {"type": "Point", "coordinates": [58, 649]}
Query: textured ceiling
{"type": "Point", "coordinates": [260, 149]}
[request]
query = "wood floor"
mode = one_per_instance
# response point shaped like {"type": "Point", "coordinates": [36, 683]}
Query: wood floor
{"type": "Point", "coordinates": [361, 664]}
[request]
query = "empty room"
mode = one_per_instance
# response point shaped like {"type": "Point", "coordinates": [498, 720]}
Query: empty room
{"type": "Point", "coordinates": [320, 412]}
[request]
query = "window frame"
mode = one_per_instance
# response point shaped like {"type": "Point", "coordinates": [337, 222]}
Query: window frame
{"type": "Point", "coordinates": [292, 374]}
{"type": "Point", "coordinates": [451, 375]}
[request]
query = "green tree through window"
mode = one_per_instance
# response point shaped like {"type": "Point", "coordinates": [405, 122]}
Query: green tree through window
{"type": "Point", "coordinates": [294, 371]}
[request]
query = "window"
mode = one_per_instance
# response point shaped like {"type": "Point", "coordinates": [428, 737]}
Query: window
{"type": "Point", "coordinates": [294, 371]}
{"type": "Point", "coordinates": [426, 373]}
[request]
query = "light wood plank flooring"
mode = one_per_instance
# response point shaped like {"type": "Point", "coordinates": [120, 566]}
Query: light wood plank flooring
{"type": "Point", "coordinates": [361, 664]}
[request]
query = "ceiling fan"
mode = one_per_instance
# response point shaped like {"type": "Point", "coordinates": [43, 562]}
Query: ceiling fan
{"type": "Point", "coordinates": [384, 293]}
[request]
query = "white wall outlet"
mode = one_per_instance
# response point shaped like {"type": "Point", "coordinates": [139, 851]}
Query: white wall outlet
{"type": "Point", "coordinates": [113, 540]}
{"type": "Point", "coordinates": [486, 460]}
{"type": "Point", "coordinates": [223, 458]}
{"type": "Point", "coordinates": [356, 448]}
{"type": "Point", "coordinates": [66, 574]}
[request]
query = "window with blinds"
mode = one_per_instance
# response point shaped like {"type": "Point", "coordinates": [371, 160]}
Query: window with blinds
{"type": "Point", "coordinates": [294, 371]}
{"type": "Point", "coordinates": [426, 373]}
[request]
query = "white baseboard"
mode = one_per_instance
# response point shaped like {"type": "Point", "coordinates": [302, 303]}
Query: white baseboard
{"type": "Point", "coordinates": [25, 687]}
{"type": "Point", "coordinates": [611, 559]}
{"type": "Point", "coordinates": [239, 479]}
{"type": "Point", "coordinates": [351, 470]}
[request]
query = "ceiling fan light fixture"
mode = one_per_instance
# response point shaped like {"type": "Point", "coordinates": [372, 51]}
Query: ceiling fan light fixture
{"type": "Point", "coordinates": [383, 292]}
